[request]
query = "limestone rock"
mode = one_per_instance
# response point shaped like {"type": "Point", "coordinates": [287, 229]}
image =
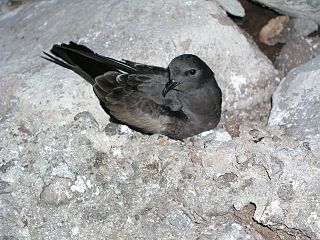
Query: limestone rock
{"type": "Point", "coordinates": [149, 34]}
{"type": "Point", "coordinates": [296, 104]}
{"type": "Point", "coordinates": [309, 9]}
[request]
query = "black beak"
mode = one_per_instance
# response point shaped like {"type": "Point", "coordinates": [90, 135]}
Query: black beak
{"type": "Point", "coordinates": [169, 85]}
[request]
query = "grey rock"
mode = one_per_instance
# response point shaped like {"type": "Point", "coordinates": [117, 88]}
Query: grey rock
{"type": "Point", "coordinates": [297, 51]}
{"type": "Point", "coordinates": [296, 105]}
{"type": "Point", "coordinates": [120, 181]}
{"type": "Point", "coordinates": [3, 186]}
{"type": "Point", "coordinates": [147, 35]}
{"type": "Point", "coordinates": [309, 9]}
{"type": "Point", "coordinates": [225, 180]}
{"type": "Point", "coordinates": [71, 179]}
{"type": "Point", "coordinates": [286, 192]}
{"type": "Point", "coordinates": [180, 220]}
{"type": "Point", "coordinates": [233, 7]}
{"type": "Point", "coordinates": [86, 120]}
{"type": "Point", "coordinates": [126, 190]}
{"type": "Point", "coordinates": [304, 26]}
{"type": "Point", "coordinates": [58, 192]}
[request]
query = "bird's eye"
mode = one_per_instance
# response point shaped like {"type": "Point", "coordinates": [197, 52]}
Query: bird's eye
{"type": "Point", "coordinates": [192, 72]}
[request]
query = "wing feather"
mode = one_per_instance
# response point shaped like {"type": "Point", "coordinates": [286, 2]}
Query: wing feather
{"type": "Point", "coordinates": [136, 100]}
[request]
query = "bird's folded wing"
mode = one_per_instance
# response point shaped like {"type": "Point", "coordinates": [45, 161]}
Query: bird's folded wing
{"type": "Point", "coordinates": [136, 100]}
{"type": "Point", "coordinates": [145, 69]}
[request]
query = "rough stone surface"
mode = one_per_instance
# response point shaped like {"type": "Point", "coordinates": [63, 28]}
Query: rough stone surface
{"type": "Point", "coordinates": [282, 29]}
{"type": "Point", "coordinates": [75, 181]}
{"type": "Point", "coordinates": [304, 26]}
{"type": "Point", "coordinates": [232, 7]}
{"type": "Point", "coordinates": [8, 5]}
{"type": "Point", "coordinates": [309, 9]}
{"type": "Point", "coordinates": [296, 102]}
{"type": "Point", "coordinates": [153, 32]}
{"type": "Point", "coordinates": [295, 52]}
{"type": "Point", "coordinates": [66, 173]}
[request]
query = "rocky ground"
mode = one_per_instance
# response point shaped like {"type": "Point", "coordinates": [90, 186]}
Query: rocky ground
{"type": "Point", "coordinates": [67, 173]}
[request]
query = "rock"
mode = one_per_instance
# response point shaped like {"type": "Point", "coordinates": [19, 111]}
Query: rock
{"type": "Point", "coordinates": [89, 180]}
{"type": "Point", "coordinates": [295, 52]}
{"type": "Point", "coordinates": [232, 7]}
{"type": "Point", "coordinates": [282, 29]}
{"type": "Point", "coordinates": [232, 127]}
{"type": "Point", "coordinates": [272, 32]}
{"type": "Point", "coordinates": [180, 220]}
{"type": "Point", "coordinates": [296, 101]}
{"type": "Point", "coordinates": [304, 26]}
{"type": "Point", "coordinates": [8, 5]}
{"type": "Point", "coordinates": [147, 35]}
{"type": "Point", "coordinates": [64, 178]}
{"type": "Point", "coordinates": [86, 120]}
{"type": "Point", "coordinates": [4, 186]}
{"type": "Point", "coordinates": [297, 9]}
{"type": "Point", "coordinates": [58, 192]}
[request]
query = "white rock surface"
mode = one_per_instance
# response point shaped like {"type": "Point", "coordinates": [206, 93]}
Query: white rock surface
{"type": "Point", "coordinates": [296, 104]}
{"type": "Point", "coordinates": [153, 32]}
{"type": "Point", "coordinates": [65, 175]}
{"type": "Point", "coordinates": [309, 9]}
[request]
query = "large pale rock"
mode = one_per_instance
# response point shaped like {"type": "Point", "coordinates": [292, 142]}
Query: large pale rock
{"type": "Point", "coordinates": [152, 32]}
{"type": "Point", "coordinates": [307, 9]}
{"type": "Point", "coordinates": [296, 104]}
{"type": "Point", "coordinates": [64, 175]}
{"type": "Point", "coordinates": [76, 180]}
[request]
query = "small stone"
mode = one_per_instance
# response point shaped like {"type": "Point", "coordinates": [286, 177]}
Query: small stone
{"type": "Point", "coordinates": [270, 34]}
{"type": "Point", "coordinates": [225, 180]}
{"type": "Point", "coordinates": [58, 192]}
{"type": "Point", "coordinates": [3, 186]}
{"type": "Point", "coordinates": [286, 192]}
{"type": "Point", "coordinates": [111, 129]}
{"type": "Point", "coordinates": [180, 220]}
{"type": "Point", "coordinates": [233, 128]}
{"type": "Point", "coordinates": [87, 120]}
{"type": "Point", "coordinates": [273, 214]}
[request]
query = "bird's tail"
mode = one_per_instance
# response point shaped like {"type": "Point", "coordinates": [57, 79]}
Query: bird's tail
{"type": "Point", "coordinates": [84, 61]}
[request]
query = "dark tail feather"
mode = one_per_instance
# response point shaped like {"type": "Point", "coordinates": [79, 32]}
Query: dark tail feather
{"type": "Point", "coordinates": [57, 61]}
{"type": "Point", "coordinates": [84, 61]}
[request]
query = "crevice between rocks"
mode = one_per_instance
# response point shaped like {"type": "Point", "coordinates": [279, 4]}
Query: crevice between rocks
{"type": "Point", "coordinates": [283, 232]}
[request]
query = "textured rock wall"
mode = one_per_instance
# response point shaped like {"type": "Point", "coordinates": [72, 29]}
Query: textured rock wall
{"type": "Point", "coordinates": [65, 173]}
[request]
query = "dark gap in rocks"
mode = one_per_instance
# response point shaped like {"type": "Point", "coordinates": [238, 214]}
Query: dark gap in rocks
{"type": "Point", "coordinates": [258, 140]}
{"type": "Point", "coordinates": [245, 217]}
{"type": "Point", "coordinates": [256, 17]}
{"type": "Point", "coordinates": [315, 34]}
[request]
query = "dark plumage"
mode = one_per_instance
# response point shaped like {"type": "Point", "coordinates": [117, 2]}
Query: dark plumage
{"type": "Point", "coordinates": [179, 101]}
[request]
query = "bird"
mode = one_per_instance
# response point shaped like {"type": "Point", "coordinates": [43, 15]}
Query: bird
{"type": "Point", "coordinates": [179, 101]}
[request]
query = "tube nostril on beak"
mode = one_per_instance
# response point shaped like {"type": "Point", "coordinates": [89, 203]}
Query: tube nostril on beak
{"type": "Point", "coordinates": [171, 84]}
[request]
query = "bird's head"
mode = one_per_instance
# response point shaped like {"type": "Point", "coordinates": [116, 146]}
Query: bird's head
{"type": "Point", "coordinates": [187, 72]}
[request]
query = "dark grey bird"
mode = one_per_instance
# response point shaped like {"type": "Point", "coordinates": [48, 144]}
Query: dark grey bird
{"type": "Point", "coordinates": [179, 101]}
